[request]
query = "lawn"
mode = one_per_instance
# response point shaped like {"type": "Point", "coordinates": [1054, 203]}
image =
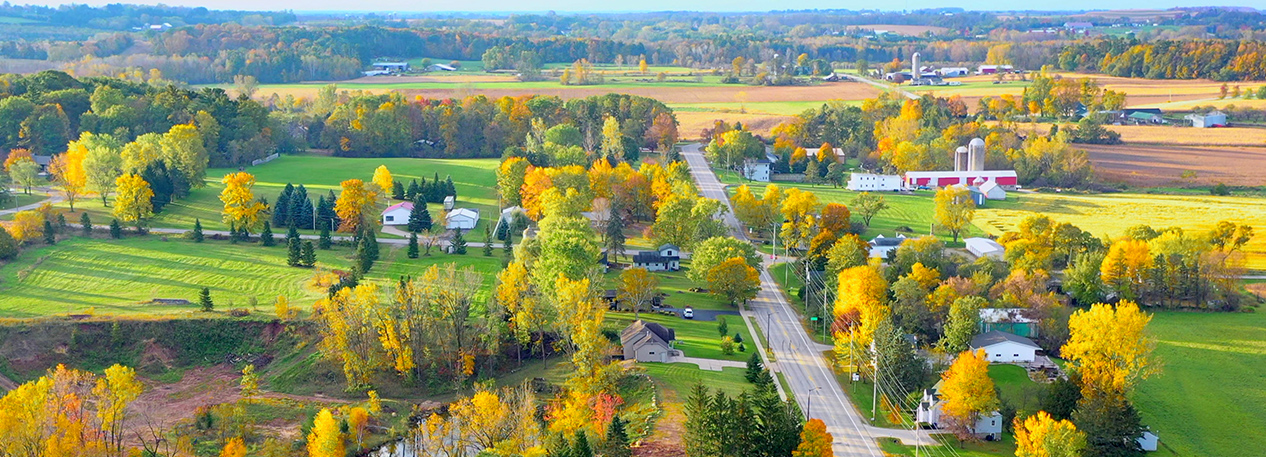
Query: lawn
{"type": "Point", "coordinates": [113, 276]}
{"type": "Point", "coordinates": [475, 180]}
{"type": "Point", "coordinates": [1209, 399]}
{"type": "Point", "coordinates": [1006, 447]}
{"type": "Point", "coordinates": [1015, 388]}
{"type": "Point", "coordinates": [681, 377]}
{"type": "Point", "coordinates": [677, 286]}
{"type": "Point", "coordinates": [694, 338]}
{"type": "Point", "coordinates": [1111, 214]}
{"type": "Point", "coordinates": [21, 199]}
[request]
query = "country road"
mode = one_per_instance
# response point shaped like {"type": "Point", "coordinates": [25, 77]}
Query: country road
{"type": "Point", "coordinates": [799, 358]}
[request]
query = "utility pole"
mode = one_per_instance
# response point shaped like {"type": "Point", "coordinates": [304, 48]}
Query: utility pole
{"type": "Point", "coordinates": [874, 399]}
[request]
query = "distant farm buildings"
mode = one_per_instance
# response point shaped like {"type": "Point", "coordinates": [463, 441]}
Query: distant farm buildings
{"type": "Point", "coordinates": [870, 182]}
{"type": "Point", "coordinates": [969, 170]}
{"type": "Point", "coordinates": [994, 69]}
{"type": "Point", "coordinates": [1207, 120]}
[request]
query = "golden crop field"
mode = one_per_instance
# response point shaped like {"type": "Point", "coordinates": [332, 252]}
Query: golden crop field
{"type": "Point", "coordinates": [1111, 214]}
{"type": "Point", "coordinates": [691, 123]}
{"type": "Point", "coordinates": [1140, 92]}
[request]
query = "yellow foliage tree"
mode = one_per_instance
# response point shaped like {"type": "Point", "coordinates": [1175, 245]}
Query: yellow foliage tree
{"type": "Point", "coordinates": [241, 208]}
{"type": "Point", "coordinates": [132, 203]}
{"type": "Point", "coordinates": [734, 281]}
{"type": "Point", "coordinates": [358, 423]}
{"type": "Point", "coordinates": [326, 439]}
{"type": "Point", "coordinates": [637, 287]}
{"type": "Point", "coordinates": [967, 390]}
{"type": "Point", "coordinates": [861, 304]}
{"type": "Point", "coordinates": [382, 178]}
{"type": "Point", "coordinates": [68, 171]}
{"type": "Point", "coordinates": [815, 441]}
{"type": "Point", "coordinates": [799, 209]}
{"type": "Point", "coordinates": [355, 205]}
{"type": "Point", "coordinates": [347, 333]}
{"type": "Point", "coordinates": [954, 209]}
{"type": "Point", "coordinates": [27, 225]}
{"type": "Point", "coordinates": [1040, 435]}
{"type": "Point", "coordinates": [1125, 268]}
{"type": "Point", "coordinates": [114, 392]}
{"type": "Point", "coordinates": [1111, 349]}
{"type": "Point", "coordinates": [235, 447]}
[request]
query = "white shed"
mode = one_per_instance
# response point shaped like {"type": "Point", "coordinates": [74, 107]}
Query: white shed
{"type": "Point", "coordinates": [397, 214]}
{"type": "Point", "coordinates": [993, 191]}
{"type": "Point", "coordinates": [1148, 441]}
{"type": "Point", "coordinates": [1208, 120]}
{"type": "Point", "coordinates": [985, 247]}
{"type": "Point", "coordinates": [1002, 347]}
{"type": "Point", "coordinates": [462, 218]}
{"type": "Point", "coordinates": [863, 182]}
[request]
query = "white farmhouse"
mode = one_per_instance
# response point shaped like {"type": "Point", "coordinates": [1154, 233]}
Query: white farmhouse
{"type": "Point", "coordinates": [985, 247]}
{"type": "Point", "coordinates": [867, 182]}
{"type": "Point", "coordinates": [1003, 347]}
{"type": "Point", "coordinates": [397, 214]}
{"type": "Point", "coordinates": [880, 246]}
{"type": "Point", "coordinates": [462, 219]}
{"type": "Point", "coordinates": [757, 170]}
{"type": "Point", "coordinates": [667, 257]}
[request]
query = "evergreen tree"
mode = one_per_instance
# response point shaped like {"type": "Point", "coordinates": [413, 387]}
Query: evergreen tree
{"type": "Point", "coordinates": [293, 252]}
{"type": "Point", "coordinates": [487, 241]}
{"type": "Point", "coordinates": [324, 242]}
{"type": "Point", "coordinates": [86, 223]}
{"type": "Point", "coordinates": [419, 217]}
{"type": "Point", "coordinates": [449, 189]}
{"type": "Point", "coordinates": [204, 300]}
{"type": "Point", "coordinates": [196, 235]}
{"type": "Point", "coordinates": [617, 440]}
{"type": "Point", "coordinates": [266, 235]}
{"type": "Point", "coordinates": [508, 248]}
{"type": "Point", "coordinates": [301, 211]}
{"type": "Point", "coordinates": [62, 226]}
{"type": "Point", "coordinates": [754, 367]}
{"type": "Point", "coordinates": [281, 210]}
{"type": "Point", "coordinates": [370, 240]}
{"type": "Point", "coordinates": [364, 260]}
{"type": "Point", "coordinates": [397, 190]}
{"type": "Point", "coordinates": [413, 246]}
{"type": "Point", "coordinates": [8, 245]}
{"type": "Point", "coordinates": [435, 191]}
{"type": "Point", "coordinates": [503, 230]}
{"type": "Point", "coordinates": [116, 230]}
{"type": "Point", "coordinates": [580, 445]}
{"type": "Point", "coordinates": [309, 254]}
{"type": "Point", "coordinates": [459, 243]}
{"type": "Point", "coordinates": [1112, 427]}
{"type": "Point", "coordinates": [292, 233]}
{"type": "Point", "coordinates": [50, 234]}
{"type": "Point", "coordinates": [615, 235]}
{"type": "Point", "coordinates": [411, 193]}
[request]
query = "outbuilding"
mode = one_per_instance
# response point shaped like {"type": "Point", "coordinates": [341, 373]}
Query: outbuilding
{"type": "Point", "coordinates": [1208, 120]}
{"type": "Point", "coordinates": [880, 246]}
{"type": "Point", "coordinates": [397, 214]}
{"type": "Point", "coordinates": [462, 219]}
{"type": "Point", "coordinates": [1003, 347]}
{"type": "Point", "coordinates": [992, 190]}
{"type": "Point", "coordinates": [985, 247]}
{"type": "Point", "coordinates": [864, 182]}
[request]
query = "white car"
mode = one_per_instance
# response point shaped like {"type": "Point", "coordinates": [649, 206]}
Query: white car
{"type": "Point", "coordinates": [688, 313]}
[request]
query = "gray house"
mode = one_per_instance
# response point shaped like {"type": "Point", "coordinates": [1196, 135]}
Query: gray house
{"type": "Point", "coordinates": [666, 258]}
{"type": "Point", "coordinates": [647, 342]}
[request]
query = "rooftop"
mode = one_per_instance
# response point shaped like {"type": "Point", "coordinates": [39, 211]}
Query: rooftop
{"type": "Point", "coordinates": [994, 337]}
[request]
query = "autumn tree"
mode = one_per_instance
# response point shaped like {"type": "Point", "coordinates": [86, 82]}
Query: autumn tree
{"type": "Point", "coordinates": [715, 251]}
{"type": "Point", "coordinates": [510, 178]}
{"type": "Point", "coordinates": [967, 391]}
{"type": "Point", "coordinates": [102, 163]}
{"type": "Point", "coordinates": [815, 441]}
{"type": "Point", "coordinates": [861, 304]}
{"type": "Point", "coordinates": [347, 332]}
{"type": "Point", "coordinates": [382, 178]}
{"type": "Point", "coordinates": [355, 205]}
{"type": "Point", "coordinates": [1126, 268]}
{"type": "Point", "coordinates": [527, 315]}
{"type": "Point", "coordinates": [954, 209]}
{"type": "Point", "coordinates": [68, 172]}
{"type": "Point", "coordinates": [23, 171]}
{"type": "Point", "coordinates": [234, 447]}
{"type": "Point", "coordinates": [637, 287]}
{"type": "Point", "coordinates": [799, 212]}
{"type": "Point", "coordinates": [115, 390]}
{"type": "Point", "coordinates": [1040, 435]}
{"type": "Point", "coordinates": [134, 201]}
{"type": "Point", "coordinates": [1111, 349]}
{"type": "Point", "coordinates": [868, 205]}
{"type": "Point", "coordinates": [734, 280]}
{"type": "Point", "coordinates": [241, 208]}
{"type": "Point", "coordinates": [326, 438]}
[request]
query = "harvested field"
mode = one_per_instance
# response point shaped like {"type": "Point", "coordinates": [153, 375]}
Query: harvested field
{"type": "Point", "coordinates": [1172, 135]}
{"type": "Point", "coordinates": [693, 122]}
{"type": "Point", "coordinates": [1140, 92]}
{"type": "Point", "coordinates": [1161, 165]}
{"type": "Point", "coordinates": [676, 93]}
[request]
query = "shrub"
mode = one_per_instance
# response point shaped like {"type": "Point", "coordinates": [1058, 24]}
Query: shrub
{"type": "Point", "coordinates": [1220, 190]}
{"type": "Point", "coordinates": [239, 312]}
{"type": "Point", "coordinates": [727, 345]}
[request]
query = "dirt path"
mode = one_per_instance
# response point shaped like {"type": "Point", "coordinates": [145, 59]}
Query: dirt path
{"type": "Point", "coordinates": [665, 441]}
{"type": "Point", "coordinates": [7, 384]}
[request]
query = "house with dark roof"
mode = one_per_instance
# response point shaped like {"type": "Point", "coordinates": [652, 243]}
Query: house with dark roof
{"type": "Point", "coordinates": [666, 258]}
{"type": "Point", "coordinates": [1003, 347]}
{"type": "Point", "coordinates": [647, 342]}
{"type": "Point", "coordinates": [881, 245]}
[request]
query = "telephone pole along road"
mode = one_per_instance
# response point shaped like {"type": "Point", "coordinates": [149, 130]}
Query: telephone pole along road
{"type": "Point", "coordinates": [798, 357]}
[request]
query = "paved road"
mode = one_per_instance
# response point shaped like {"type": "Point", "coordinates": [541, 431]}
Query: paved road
{"type": "Point", "coordinates": [799, 358]}
{"type": "Point", "coordinates": [860, 79]}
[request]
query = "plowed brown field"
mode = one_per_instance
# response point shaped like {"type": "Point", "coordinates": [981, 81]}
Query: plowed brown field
{"type": "Point", "coordinates": [1165, 165]}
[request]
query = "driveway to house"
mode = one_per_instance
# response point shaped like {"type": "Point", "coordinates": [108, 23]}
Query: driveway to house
{"type": "Point", "coordinates": [799, 358]}
{"type": "Point", "coordinates": [707, 364]}
{"type": "Point", "coordinates": [705, 314]}
{"type": "Point", "coordinates": [52, 200]}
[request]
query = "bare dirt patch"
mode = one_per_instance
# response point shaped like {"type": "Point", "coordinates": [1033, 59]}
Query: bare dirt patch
{"type": "Point", "coordinates": [1162, 165]}
{"type": "Point", "coordinates": [692, 123]}
{"type": "Point", "coordinates": [666, 440]}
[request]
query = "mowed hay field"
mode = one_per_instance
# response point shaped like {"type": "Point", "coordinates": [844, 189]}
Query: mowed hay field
{"type": "Point", "coordinates": [1110, 214]}
{"type": "Point", "coordinates": [1208, 399]}
{"type": "Point", "coordinates": [1171, 134]}
{"type": "Point", "coordinates": [474, 179]}
{"type": "Point", "coordinates": [114, 276]}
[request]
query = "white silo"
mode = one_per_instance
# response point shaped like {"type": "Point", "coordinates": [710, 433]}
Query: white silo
{"type": "Point", "coordinates": [976, 155]}
{"type": "Point", "coordinates": [914, 67]}
{"type": "Point", "coordinates": [960, 158]}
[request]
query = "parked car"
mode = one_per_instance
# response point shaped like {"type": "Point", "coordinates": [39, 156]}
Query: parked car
{"type": "Point", "coordinates": [688, 313]}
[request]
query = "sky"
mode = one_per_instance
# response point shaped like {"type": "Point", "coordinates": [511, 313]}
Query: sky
{"type": "Point", "coordinates": [660, 5]}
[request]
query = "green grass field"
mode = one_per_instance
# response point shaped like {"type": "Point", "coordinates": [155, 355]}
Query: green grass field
{"type": "Point", "coordinates": [677, 286]}
{"type": "Point", "coordinates": [113, 276]}
{"type": "Point", "coordinates": [475, 180]}
{"type": "Point", "coordinates": [681, 377]}
{"type": "Point", "coordinates": [694, 338]}
{"type": "Point", "coordinates": [21, 199]}
{"type": "Point", "coordinates": [1209, 398]}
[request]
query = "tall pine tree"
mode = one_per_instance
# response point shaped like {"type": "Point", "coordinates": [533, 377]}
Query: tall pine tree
{"type": "Point", "coordinates": [419, 217]}
{"type": "Point", "coordinates": [301, 211]}
{"type": "Point", "coordinates": [281, 209]}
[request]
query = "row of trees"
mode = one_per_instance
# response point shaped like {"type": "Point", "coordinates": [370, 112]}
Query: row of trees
{"type": "Point", "coordinates": [1221, 60]}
